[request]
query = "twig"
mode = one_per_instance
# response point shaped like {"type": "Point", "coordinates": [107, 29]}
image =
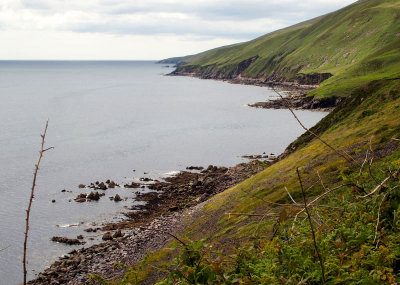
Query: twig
{"type": "Point", "coordinates": [5, 248]}
{"type": "Point", "coordinates": [164, 232]}
{"type": "Point", "coordinates": [252, 215]}
{"type": "Point", "coordinates": [380, 185]}
{"type": "Point", "coordinates": [371, 161]}
{"type": "Point", "coordinates": [316, 199]}
{"type": "Point", "coordinates": [396, 139]}
{"type": "Point", "coordinates": [365, 160]}
{"type": "Point", "coordinates": [311, 226]}
{"type": "Point", "coordinates": [291, 198]}
{"type": "Point", "coordinates": [28, 211]}
{"type": "Point", "coordinates": [345, 155]}
{"type": "Point", "coordinates": [378, 218]}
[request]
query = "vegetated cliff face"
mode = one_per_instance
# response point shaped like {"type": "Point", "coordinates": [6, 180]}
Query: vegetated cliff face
{"type": "Point", "coordinates": [308, 53]}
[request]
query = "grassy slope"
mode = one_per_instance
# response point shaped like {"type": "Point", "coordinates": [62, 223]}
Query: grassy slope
{"type": "Point", "coordinates": [369, 115]}
{"type": "Point", "coordinates": [333, 43]}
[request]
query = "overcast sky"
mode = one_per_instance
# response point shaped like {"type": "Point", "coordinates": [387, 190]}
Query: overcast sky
{"type": "Point", "coordinates": [142, 29]}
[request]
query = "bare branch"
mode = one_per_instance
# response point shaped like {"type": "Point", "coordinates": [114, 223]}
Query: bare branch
{"type": "Point", "coordinates": [380, 185]}
{"type": "Point", "coordinates": [164, 232]}
{"type": "Point", "coordinates": [316, 199]}
{"type": "Point", "coordinates": [396, 139]}
{"type": "Point", "coordinates": [345, 155]}
{"type": "Point", "coordinates": [311, 226]}
{"type": "Point", "coordinates": [365, 160]}
{"type": "Point", "coordinates": [5, 248]}
{"type": "Point", "coordinates": [252, 215]}
{"type": "Point", "coordinates": [291, 198]}
{"type": "Point", "coordinates": [28, 211]}
{"type": "Point", "coordinates": [378, 218]}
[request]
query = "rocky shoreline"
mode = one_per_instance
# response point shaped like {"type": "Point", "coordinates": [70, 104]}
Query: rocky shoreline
{"type": "Point", "coordinates": [296, 90]}
{"type": "Point", "coordinates": [126, 241]}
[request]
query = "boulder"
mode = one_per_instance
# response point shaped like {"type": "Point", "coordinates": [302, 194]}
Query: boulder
{"type": "Point", "coordinates": [93, 196]}
{"type": "Point", "coordinates": [102, 186]}
{"type": "Point", "coordinates": [107, 236]}
{"type": "Point", "coordinates": [118, 234]}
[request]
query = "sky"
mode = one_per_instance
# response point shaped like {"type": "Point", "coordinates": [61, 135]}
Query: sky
{"type": "Point", "coordinates": [142, 29]}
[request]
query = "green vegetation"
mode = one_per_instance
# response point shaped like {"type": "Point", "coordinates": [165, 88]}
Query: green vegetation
{"type": "Point", "coordinates": [356, 44]}
{"type": "Point", "coordinates": [253, 232]}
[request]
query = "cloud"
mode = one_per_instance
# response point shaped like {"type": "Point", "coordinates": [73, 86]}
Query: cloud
{"type": "Point", "coordinates": [200, 21]}
{"type": "Point", "coordinates": [203, 17]}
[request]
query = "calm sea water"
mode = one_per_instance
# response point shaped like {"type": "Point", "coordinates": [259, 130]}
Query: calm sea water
{"type": "Point", "coordinates": [106, 120]}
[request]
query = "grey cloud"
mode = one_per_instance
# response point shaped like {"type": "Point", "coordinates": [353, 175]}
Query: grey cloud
{"type": "Point", "coordinates": [203, 17]}
{"type": "Point", "coordinates": [36, 5]}
{"type": "Point", "coordinates": [199, 31]}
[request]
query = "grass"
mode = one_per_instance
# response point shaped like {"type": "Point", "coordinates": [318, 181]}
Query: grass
{"type": "Point", "coordinates": [353, 42]}
{"type": "Point", "coordinates": [370, 114]}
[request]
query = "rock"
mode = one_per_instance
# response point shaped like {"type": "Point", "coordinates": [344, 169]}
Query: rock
{"type": "Point", "coordinates": [132, 185]}
{"type": "Point", "coordinates": [80, 198]}
{"type": "Point", "coordinates": [108, 181]}
{"type": "Point", "coordinates": [117, 198]}
{"type": "Point", "coordinates": [111, 184]}
{"type": "Point", "coordinates": [53, 201]}
{"type": "Point", "coordinates": [80, 237]}
{"type": "Point", "coordinates": [81, 186]}
{"type": "Point", "coordinates": [107, 236]}
{"type": "Point", "coordinates": [195, 168]}
{"type": "Point", "coordinates": [66, 240]}
{"type": "Point", "coordinates": [90, 230]}
{"type": "Point", "coordinates": [118, 234]}
{"type": "Point", "coordinates": [102, 186]}
{"type": "Point", "coordinates": [93, 196]}
{"type": "Point", "coordinates": [145, 179]}
{"type": "Point", "coordinates": [63, 190]}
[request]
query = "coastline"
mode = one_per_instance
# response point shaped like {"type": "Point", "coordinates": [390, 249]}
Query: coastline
{"type": "Point", "coordinates": [176, 198]}
{"type": "Point", "coordinates": [295, 91]}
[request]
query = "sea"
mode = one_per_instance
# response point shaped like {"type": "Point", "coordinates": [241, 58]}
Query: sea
{"type": "Point", "coordinates": [118, 120]}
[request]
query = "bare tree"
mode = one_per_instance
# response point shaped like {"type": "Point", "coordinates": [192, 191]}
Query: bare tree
{"type": "Point", "coordinates": [28, 211]}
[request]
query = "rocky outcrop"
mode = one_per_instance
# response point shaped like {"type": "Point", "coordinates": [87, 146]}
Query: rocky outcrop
{"type": "Point", "coordinates": [66, 240]}
{"type": "Point", "coordinates": [212, 72]}
{"type": "Point", "coordinates": [313, 78]}
{"type": "Point", "coordinates": [300, 102]}
{"type": "Point", "coordinates": [242, 66]}
{"type": "Point", "coordinates": [298, 87]}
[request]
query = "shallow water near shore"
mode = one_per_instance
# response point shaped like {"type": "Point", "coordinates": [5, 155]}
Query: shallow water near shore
{"type": "Point", "coordinates": [108, 119]}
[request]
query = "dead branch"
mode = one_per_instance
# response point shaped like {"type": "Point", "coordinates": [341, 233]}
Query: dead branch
{"type": "Point", "coordinates": [28, 211]}
{"type": "Point", "coordinates": [343, 154]}
{"type": "Point", "coordinates": [4, 248]}
{"type": "Point", "coordinates": [380, 185]}
{"type": "Point", "coordinates": [164, 232]}
{"type": "Point", "coordinates": [365, 160]}
{"type": "Point", "coordinates": [252, 215]}
{"type": "Point", "coordinates": [316, 199]}
{"type": "Point", "coordinates": [378, 218]}
{"type": "Point", "coordinates": [371, 161]}
{"type": "Point", "coordinates": [396, 139]}
{"type": "Point", "coordinates": [291, 198]}
{"type": "Point", "coordinates": [311, 226]}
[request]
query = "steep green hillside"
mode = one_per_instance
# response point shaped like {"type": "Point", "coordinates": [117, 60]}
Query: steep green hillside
{"type": "Point", "coordinates": [363, 36]}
